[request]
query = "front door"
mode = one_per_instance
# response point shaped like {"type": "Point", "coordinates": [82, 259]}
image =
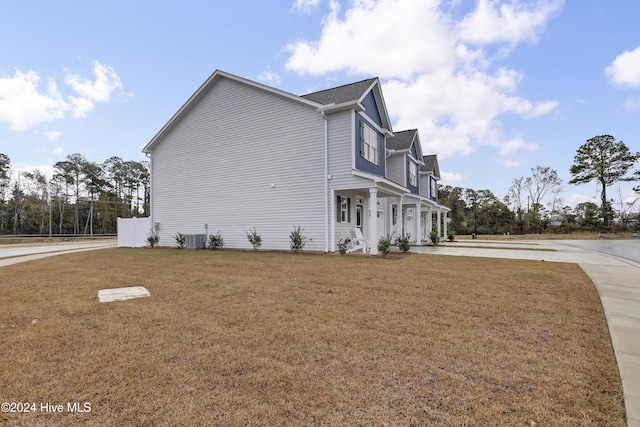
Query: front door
{"type": "Point", "coordinates": [410, 226]}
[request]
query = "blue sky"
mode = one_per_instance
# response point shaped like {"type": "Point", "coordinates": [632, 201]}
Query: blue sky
{"type": "Point", "coordinates": [495, 87]}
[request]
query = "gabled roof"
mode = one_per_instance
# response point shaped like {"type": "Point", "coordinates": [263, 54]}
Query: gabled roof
{"type": "Point", "coordinates": [206, 86]}
{"type": "Point", "coordinates": [336, 99]}
{"type": "Point", "coordinates": [431, 165]}
{"type": "Point", "coordinates": [401, 142]}
{"type": "Point", "coordinates": [341, 94]}
{"type": "Point", "coordinates": [350, 96]}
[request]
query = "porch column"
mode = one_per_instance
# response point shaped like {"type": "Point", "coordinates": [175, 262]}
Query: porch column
{"type": "Point", "coordinates": [399, 224]}
{"type": "Point", "coordinates": [373, 220]}
{"type": "Point", "coordinates": [418, 221]}
{"type": "Point", "coordinates": [439, 225]}
{"type": "Point", "coordinates": [444, 223]}
{"type": "Point", "coordinates": [429, 220]}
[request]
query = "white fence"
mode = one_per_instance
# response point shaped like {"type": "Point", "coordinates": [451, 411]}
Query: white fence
{"type": "Point", "coordinates": [132, 232]}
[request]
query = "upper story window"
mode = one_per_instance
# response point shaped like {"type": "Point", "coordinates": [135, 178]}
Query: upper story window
{"type": "Point", "coordinates": [413, 174]}
{"type": "Point", "coordinates": [434, 189]}
{"type": "Point", "coordinates": [369, 144]}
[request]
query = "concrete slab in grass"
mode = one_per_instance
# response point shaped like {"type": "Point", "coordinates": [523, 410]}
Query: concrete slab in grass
{"type": "Point", "coordinates": [121, 294]}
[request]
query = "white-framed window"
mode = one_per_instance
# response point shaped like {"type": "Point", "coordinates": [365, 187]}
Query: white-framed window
{"type": "Point", "coordinates": [369, 144]}
{"type": "Point", "coordinates": [413, 173]}
{"type": "Point", "coordinates": [344, 209]}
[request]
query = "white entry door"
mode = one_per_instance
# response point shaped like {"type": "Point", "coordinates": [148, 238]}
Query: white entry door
{"type": "Point", "coordinates": [410, 225]}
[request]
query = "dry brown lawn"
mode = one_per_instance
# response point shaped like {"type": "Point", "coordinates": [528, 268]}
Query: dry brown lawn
{"type": "Point", "coordinates": [268, 338]}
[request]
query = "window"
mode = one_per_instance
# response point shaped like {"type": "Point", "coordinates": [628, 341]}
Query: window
{"type": "Point", "coordinates": [369, 144]}
{"type": "Point", "coordinates": [413, 174]}
{"type": "Point", "coordinates": [434, 189]}
{"type": "Point", "coordinates": [344, 209]}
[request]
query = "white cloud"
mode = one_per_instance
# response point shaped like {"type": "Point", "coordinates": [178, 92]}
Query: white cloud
{"type": "Point", "coordinates": [575, 199]}
{"type": "Point", "coordinates": [52, 135]}
{"type": "Point", "coordinates": [510, 22]}
{"type": "Point", "coordinates": [625, 69]}
{"type": "Point", "coordinates": [509, 147]}
{"type": "Point", "coordinates": [305, 6]}
{"type": "Point", "coordinates": [45, 169]}
{"type": "Point", "coordinates": [436, 75]}
{"type": "Point", "coordinates": [58, 151]}
{"type": "Point", "coordinates": [450, 178]}
{"type": "Point", "coordinates": [270, 77]}
{"type": "Point", "coordinates": [99, 90]}
{"type": "Point", "coordinates": [23, 104]}
{"type": "Point", "coordinates": [406, 29]}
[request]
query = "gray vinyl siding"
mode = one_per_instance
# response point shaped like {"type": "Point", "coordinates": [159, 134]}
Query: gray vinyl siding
{"type": "Point", "coordinates": [396, 169]}
{"type": "Point", "coordinates": [341, 134]}
{"type": "Point", "coordinates": [424, 184]}
{"type": "Point", "coordinates": [242, 157]}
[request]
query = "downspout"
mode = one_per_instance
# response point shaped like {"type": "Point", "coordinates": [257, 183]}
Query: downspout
{"type": "Point", "coordinates": [326, 182]}
{"type": "Point", "coordinates": [150, 190]}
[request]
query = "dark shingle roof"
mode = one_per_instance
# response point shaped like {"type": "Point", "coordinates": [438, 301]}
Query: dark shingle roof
{"type": "Point", "coordinates": [340, 94]}
{"type": "Point", "coordinates": [431, 164]}
{"type": "Point", "coordinates": [401, 140]}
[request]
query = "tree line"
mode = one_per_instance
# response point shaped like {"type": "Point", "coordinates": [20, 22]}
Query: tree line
{"type": "Point", "coordinates": [533, 203]}
{"type": "Point", "coordinates": [85, 197]}
{"type": "Point", "coordinates": [82, 196]}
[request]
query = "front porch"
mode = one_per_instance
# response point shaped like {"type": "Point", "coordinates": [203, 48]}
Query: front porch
{"type": "Point", "coordinates": [416, 216]}
{"type": "Point", "coordinates": [363, 208]}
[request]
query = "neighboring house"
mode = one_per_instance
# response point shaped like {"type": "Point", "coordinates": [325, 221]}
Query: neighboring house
{"type": "Point", "coordinates": [239, 154]}
{"type": "Point", "coordinates": [420, 174]}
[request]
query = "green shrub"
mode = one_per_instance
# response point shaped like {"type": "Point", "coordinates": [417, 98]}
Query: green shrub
{"type": "Point", "coordinates": [402, 242]}
{"type": "Point", "coordinates": [254, 239]}
{"type": "Point", "coordinates": [435, 237]}
{"type": "Point", "coordinates": [451, 235]}
{"type": "Point", "coordinates": [384, 244]}
{"type": "Point", "coordinates": [297, 239]}
{"type": "Point", "coordinates": [215, 241]}
{"type": "Point", "coordinates": [180, 240]}
{"type": "Point", "coordinates": [152, 240]}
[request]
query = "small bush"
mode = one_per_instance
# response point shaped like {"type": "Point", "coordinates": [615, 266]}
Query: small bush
{"type": "Point", "coordinates": [180, 240]}
{"type": "Point", "coordinates": [435, 237]}
{"type": "Point", "coordinates": [402, 242]}
{"type": "Point", "coordinates": [215, 241]}
{"type": "Point", "coordinates": [384, 244]}
{"type": "Point", "coordinates": [297, 239]}
{"type": "Point", "coordinates": [451, 235]}
{"type": "Point", "coordinates": [152, 240]}
{"type": "Point", "coordinates": [254, 239]}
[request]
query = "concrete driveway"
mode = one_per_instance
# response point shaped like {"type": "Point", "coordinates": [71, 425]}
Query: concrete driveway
{"type": "Point", "coordinates": [616, 277]}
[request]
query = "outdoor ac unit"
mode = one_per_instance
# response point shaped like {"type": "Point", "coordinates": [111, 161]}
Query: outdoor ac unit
{"type": "Point", "coordinates": [195, 241]}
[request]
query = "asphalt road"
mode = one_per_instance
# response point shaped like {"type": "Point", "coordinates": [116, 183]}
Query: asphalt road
{"type": "Point", "coordinates": [625, 249]}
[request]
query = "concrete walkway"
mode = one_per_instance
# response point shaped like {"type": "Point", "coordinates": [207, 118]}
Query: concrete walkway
{"type": "Point", "coordinates": [13, 254]}
{"type": "Point", "coordinates": [617, 282]}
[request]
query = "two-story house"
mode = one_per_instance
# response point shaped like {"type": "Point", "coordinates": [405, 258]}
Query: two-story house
{"type": "Point", "coordinates": [420, 174]}
{"type": "Point", "coordinates": [239, 154]}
